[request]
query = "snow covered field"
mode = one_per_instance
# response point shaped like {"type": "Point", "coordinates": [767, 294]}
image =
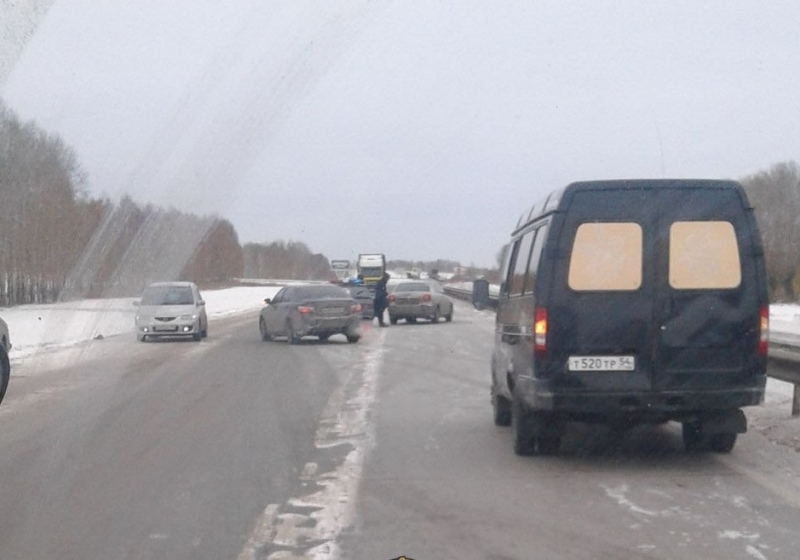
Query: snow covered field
{"type": "Point", "coordinates": [39, 328]}
{"type": "Point", "coordinates": [36, 328]}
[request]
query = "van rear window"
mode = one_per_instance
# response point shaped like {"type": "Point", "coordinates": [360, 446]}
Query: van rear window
{"type": "Point", "coordinates": [703, 255]}
{"type": "Point", "coordinates": [606, 257]}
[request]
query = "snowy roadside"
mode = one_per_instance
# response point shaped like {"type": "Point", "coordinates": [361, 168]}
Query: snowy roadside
{"type": "Point", "coordinates": [37, 328]}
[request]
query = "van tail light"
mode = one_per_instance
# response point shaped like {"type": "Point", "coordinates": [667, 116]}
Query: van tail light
{"type": "Point", "coordinates": [540, 332]}
{"type": "Point", "coordinates": [305, 309]}
{"type": "Point", "coordinates": [426, 297]}
{"type": "Point", "coordinates": [763, 330]}
{"type": "Point", "coordinates": [391, 298]}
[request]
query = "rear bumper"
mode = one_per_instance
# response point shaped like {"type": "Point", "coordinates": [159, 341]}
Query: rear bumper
{"type": "Point", "coordinates": [331, 325]}
{"type": "Point", "coordinates": [419, 311]}
{"type": "Point", "coordinates": [642, 405]}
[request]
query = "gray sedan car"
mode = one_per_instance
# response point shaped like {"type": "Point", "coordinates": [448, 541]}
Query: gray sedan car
{"type": "Point", "coordinates": [418, 299]}
{"type": "Point", "coordinates": [320, 310]}
{"type": "Point", "coordinates": [171, 309]}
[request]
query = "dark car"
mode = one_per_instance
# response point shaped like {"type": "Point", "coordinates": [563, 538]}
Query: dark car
{"type": "Point", "coordinates": [5, 365]}
{"type": "Point", "coordinates": [364, 296]}
{"type": "Point", "coordinates": [632, 301]}
{"type": "Point", "coordinates": [320, 310]}
{"type": "Point", "coordinates": [418, 299]}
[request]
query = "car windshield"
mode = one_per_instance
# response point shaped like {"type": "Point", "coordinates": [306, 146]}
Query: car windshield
{"type": "Point", "coordinates": [586, 216]}
{"type": "Point", "coordinates": [167, 295]}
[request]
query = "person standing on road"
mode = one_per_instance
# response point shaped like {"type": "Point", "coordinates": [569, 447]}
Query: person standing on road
{"type": "Point", "coordinates": [380, 298]}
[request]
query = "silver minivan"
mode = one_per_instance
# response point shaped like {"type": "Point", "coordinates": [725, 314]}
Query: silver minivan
{"type": "Point", "coordinates": [171, 309]}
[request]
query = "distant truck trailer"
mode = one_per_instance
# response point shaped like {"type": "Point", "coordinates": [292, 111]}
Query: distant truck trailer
{"type": "Point", "coordinates": [371, 267]}
{"type": "Point", "coordinates": [341, 269]}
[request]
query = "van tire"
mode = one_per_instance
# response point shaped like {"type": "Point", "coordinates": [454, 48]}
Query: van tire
{"type": "Point", "coordinates": [262, 329]}
{"type": "Point", "coordinates": [521, 419]}
{"type": "Point", "coordinates": [722, 443]}
{"type": "Point", "coordinates": [692, 435]}
{"type": "Point", "coordinates": [548, 445]}
{"type": "Point", "coordinates": [502, 410]}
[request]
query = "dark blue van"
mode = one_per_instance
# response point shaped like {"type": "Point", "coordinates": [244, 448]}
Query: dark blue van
{"type": "Point", "coordinates": [637, 301]}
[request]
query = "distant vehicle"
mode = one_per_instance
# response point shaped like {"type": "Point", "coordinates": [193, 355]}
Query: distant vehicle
{"type": "Point", "coordinates": [5, 364]}
{"type": "Point", "coordinates": [341, 269]}
{"type": "Point", "coordinates": [365, 296]}
{"type": "Point", "coordinates": [627, 302]}
{"type": "Point", "coordinates": [171, 309]}
{"type": "Point", "coordinates": [371, 267]}
{"type": "Point", "coordinates": [320, 310]}
{"type": "Point", "coordinates": [418, 299]}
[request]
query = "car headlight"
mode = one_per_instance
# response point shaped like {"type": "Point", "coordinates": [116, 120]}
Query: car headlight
{"type": "Point", "coordinates": [188, 317]}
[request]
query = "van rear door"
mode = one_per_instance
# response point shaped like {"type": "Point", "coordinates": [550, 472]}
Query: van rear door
{"type": "Point", "coordinates": [707, 301]}
{"type": "Point", "coordinates": [601, 310]}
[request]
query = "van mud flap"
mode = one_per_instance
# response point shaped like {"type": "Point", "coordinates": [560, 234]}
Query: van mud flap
{"type": "Point", "coordinates": [725, 422]}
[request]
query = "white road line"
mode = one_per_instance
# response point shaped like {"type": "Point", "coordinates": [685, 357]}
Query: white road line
{"type": "Point", "coordinates": [308, 525]}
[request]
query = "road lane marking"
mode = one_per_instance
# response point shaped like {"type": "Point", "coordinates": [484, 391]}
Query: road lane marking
{"type": "Point", "coordinates": [308, 525]}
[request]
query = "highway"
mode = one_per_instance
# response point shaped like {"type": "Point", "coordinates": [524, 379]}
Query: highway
{"type": "Point", "coordinates": [233, 448]}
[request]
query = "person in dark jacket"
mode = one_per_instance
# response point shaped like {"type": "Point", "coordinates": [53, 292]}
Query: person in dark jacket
{"type": "Point", "coordinates": [380, 298]}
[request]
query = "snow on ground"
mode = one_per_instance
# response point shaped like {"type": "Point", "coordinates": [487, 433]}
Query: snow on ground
{"type": "Point", "coordinates": [34, 328]}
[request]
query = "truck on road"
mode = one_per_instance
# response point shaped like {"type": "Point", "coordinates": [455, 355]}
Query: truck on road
{"type": "Point", "coordinates": [371, 267]}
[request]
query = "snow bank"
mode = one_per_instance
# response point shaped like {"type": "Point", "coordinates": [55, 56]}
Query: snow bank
{"type": "Point", "coordinates": [33, 328]}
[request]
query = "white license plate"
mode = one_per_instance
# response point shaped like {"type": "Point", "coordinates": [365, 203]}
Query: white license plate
{"type": "Point", "coordinates": [601, 363]}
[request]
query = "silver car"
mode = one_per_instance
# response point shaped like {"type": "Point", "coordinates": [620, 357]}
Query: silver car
{"type": "Point", "coordinates": [418, 299]}
{"type": "Point", "coordinates": [5, 365]}
{"type": "Point", "coordinates": [171, 309]}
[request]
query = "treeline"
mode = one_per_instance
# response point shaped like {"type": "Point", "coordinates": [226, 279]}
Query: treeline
{"type": "Point", "coordinates": [281, 259]}
{"type": "Point", "coordinates": [775, 195]}
{"type": "Point", "coordinates": [58, 243]}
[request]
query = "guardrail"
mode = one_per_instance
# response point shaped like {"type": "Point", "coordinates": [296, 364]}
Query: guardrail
{"type": "Point", "coordinates": [463, 290]}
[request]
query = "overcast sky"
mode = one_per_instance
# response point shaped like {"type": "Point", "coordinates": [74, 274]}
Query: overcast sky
{"type": "Point", "coordinates": [415, 128]}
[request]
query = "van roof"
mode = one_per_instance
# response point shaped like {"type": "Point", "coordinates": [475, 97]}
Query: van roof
{"type": "Point", "coordinates": [550, 203]}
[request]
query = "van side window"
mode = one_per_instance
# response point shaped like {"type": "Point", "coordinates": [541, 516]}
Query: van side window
{"type": "Point", "coordinates": [521, 263]}
{"type": "Point", "coordinates": [536, 255]}
{"type": "Point", "coordinates": [606, 256]}
{"type": "Point", "coordinates": [703, 255]}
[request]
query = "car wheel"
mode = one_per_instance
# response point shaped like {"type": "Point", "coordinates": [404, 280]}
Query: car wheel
{"type": "Point", "coordinates": [435, 317]}
{"type": "Point", "coordinates": [393, 319]}
{"type": "Point", "coordinates": [353, 338]}
{"type": "Point", "coordinates": [141, 337]}
{"type": "Point", "coordinates": [521, 423]}
{"type": "Point", "coordinates": [692, 435]}
{"type": "Point", "coordinates": [204, 332]}
{"type": "Point", "coordinates": [197, 336]}
{"type": "Point", "coordinates": [5, 372]}
{"type": "Point", "coordinates": [449, 316]}
{"type": "Point", "coordinates": [722, 443]}
{"type": "Point", "coordinates": [262, 328]}
{"type": "Point", "coordinates": [291, 335]}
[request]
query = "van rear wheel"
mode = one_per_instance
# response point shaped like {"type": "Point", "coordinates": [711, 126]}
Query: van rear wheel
{"type": "Point", "coordinates": [521, 427]}
{"type": "Point", "coordinates": [548, 445]}
{"type": "Point", "coordinates": [692, 435]}
{"type": "Point", "coordinates": [722, 443]}
{"type": "Point", "coordinates": [502, 410]}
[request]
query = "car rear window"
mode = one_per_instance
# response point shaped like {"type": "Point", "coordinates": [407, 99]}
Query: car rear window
{"type": "Point", "coordinates": [319, 292]}
{"type": "Point", "coordinates": [703, 255]}
{"type": "Point", "coordinates": [412, 287]}
{"type": "Point", "coordinates": [606, 257]}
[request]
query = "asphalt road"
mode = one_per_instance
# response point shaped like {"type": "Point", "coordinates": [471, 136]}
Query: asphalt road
{"type": "Point", "coordinates": [236, 449]}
